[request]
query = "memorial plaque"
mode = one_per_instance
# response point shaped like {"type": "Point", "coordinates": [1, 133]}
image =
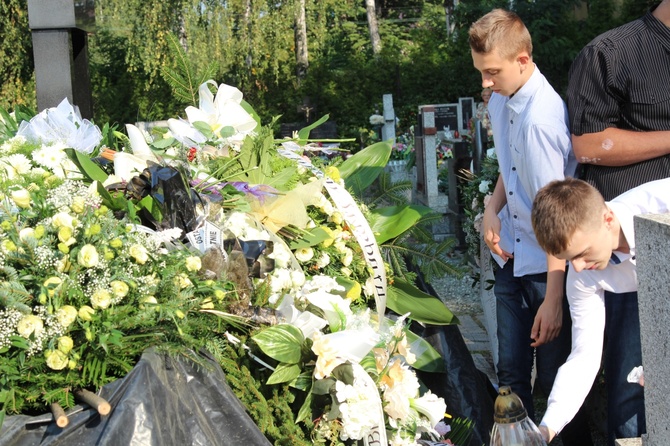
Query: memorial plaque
{"type": "Point", "coordinates": [448, 116]}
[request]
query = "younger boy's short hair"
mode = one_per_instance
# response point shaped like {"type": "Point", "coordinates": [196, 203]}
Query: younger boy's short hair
{"type": "Point", "coordinates": [502, 31]}
{"type": "Point", "coordinates": [560, 208]}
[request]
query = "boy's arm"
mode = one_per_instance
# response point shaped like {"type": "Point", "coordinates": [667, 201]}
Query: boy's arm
{"type": "Point", "coordinates": [491, 223]}
{"type": "Point", "coordinates": [618, 147]}
{"type": "Point", "coordinates": [549, 317]}
{"type": "Point", "coordinates": [575, 378]}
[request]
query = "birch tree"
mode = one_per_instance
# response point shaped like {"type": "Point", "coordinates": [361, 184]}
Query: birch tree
{"type": "Point", "coordinates": [301, 55]}
{"type": "Point", "coordinates": [375, 40]}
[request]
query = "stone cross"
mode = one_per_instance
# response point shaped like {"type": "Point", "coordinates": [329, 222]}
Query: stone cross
{"type": "Point", "coordinates": [388, 130]}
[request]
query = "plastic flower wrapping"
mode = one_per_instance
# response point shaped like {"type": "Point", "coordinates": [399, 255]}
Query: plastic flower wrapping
{"type": "Point", "coordinates": [213, 235]}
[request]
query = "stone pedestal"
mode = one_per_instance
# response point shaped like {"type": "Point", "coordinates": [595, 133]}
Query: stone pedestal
{"type": "Point", "coordinates": [652, 240]}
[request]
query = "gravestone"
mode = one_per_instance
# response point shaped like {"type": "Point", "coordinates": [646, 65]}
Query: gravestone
{"type": "Point", "coordinates": [388, 130]}
{"type": "Point", "coordinates": [60, 49]}
{"type": "Point", "coordinates": [652, 241]}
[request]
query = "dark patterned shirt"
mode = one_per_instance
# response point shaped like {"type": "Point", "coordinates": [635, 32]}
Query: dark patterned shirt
{"type": "Point", "coordinates": [622, 79]}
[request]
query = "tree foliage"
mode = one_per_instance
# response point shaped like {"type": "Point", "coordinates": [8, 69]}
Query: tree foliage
{"type": "Point", "coordinates": [251, 44]}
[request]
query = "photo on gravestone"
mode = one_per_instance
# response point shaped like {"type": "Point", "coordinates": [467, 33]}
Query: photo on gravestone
{"type": "Point", "coordinates": [468, 109]}
{"type": "Point", "coordinates": [447, 117]}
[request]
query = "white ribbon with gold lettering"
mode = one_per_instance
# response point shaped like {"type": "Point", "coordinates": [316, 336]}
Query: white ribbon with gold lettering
{"type": "Point", "coordinates": [359, 226]}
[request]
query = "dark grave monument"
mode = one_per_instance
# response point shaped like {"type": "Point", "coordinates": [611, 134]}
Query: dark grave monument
{"type": "Point", "coordinates": [60, 47]}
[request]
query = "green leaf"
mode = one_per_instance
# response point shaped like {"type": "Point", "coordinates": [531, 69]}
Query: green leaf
{"type": "Point", "coordinates": [311, 238]}
{"type": "Point", "coordinates": [403, 297]}
{"type": "Point", "coordinates": [389, 222]}
{"type": "Point", "coordinates": [303, 134]}
{"type": "Point", "coordinates": [323, 386]}
{"type": "Point", "coordinates": [281, 342]}
{"type": "Point", "coordinates": [303, 381]}
{"type": "Point", "coordinates": [87, 167]}
{"type": "Point", "coordinates": [284, 373]}
{"type": "Point", "coordinates": [362, 169]}
{"type": "Point", "coordinates": [203, 128]}
{"type": "Point", "coordinates": [163, 143]}
{"type": "Point", "coordinates": [305, 412]}
{"type": "Point", "coordinates": [345, 373]}
{"type": "Point", "coordinates": [427, 358]}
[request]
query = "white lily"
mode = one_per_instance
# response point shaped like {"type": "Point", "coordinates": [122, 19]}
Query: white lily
{"type": "Point", "coordinates": [337, 348]}
{"type": "Point", "coordinates": [430, 405]}
{"type": "Point", "coordinates": [220, 111]}
{"type": "Point", "coordinates": [306, 321]}
{"type": "Point", "coordinates": [128, 165]}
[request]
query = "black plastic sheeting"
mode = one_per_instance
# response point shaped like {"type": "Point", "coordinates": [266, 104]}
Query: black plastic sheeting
{"type": "Point", "coordinates": [163, 401]}
{"type": "Point", "coordinates": [467, 390]}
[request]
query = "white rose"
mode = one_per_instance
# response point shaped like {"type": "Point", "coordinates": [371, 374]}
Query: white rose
{"type": "Point", "coordinates": [88, 256]}
{"type": "Point", "coordinates": [484, 186]}
{"type": "Point", "coordinates": [63, 219]}
{"type": "Point", "coordinates": [101, 299]}
{"type": "Point", "coordinates": [119, 288]}
{"type": "Point", "coordinates": [304, 254]}
{"type": "Point", "coordinates": [323, 261]}
{"type": "Point", "coordinates": [22, 198]}
{"type": "Point", "coordinates": [139, 253]}
{"type": "Point", "coordinates": [30, 324]}
{"type": "Point", "coordinates": [56, 359]}
{"type": "Point", "coordinates": [66, 315]}
{"type": "Point", "coordinates": [193, 263]}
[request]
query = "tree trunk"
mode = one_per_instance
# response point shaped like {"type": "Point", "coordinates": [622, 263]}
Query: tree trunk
{"type": "Point", "coordinates": [301, 56]}
{"type": "Point", "coordinates": [374, 28]}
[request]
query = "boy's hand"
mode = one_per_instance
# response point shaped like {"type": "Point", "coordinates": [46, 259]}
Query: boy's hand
{"type": "Point", "coordinates": [547, 434]}
{"type": "Point", "coordinates": [547, 324]}
{"type": "Point", "coordinates": [491, 233]}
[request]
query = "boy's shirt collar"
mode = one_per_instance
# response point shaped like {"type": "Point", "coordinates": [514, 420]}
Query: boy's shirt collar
{"type": "Point", "coordinates": [518, 101]}
{"type": "Point", "coordinates": [625, 218]}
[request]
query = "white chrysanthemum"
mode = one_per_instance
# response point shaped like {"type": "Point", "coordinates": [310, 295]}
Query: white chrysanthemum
{"type": "Point", "coordinates": [50, 157]}
{"type": "Point", "coordinates": [280, 280]}
{"type": "Point", "coordinates": [323, 260]}
{"type": "Point", "coordinates": [15, 166]}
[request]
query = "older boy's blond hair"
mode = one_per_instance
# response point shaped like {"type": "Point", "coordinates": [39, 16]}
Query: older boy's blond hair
{"type": "Point", "coordinates": [502, 31]}
{"type": "Point", "coordinates": [560, 208]}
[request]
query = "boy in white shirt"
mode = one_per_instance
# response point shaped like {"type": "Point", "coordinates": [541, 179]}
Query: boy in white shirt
{"type": "Point", "coordinates": [573, 222]}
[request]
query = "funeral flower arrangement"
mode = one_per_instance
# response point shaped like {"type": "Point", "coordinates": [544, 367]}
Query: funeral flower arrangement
{"type": "Point", "coordinates": [211, 234]}
{"type": "Point", "coordinates": [477, 191]}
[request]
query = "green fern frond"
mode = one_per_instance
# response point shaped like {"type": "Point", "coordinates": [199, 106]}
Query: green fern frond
{"type": "Point", "coordinates": [185, 77]}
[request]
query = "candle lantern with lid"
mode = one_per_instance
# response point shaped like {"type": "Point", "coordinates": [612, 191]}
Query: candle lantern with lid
{"type": "Point", "coordinates": [512, 425]}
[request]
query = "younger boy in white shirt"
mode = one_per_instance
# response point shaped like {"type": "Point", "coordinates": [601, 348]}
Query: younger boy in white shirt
{"type": "Point", "coordinates": [572, 221]}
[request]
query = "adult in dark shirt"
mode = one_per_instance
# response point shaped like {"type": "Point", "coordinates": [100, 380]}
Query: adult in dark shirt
{"type": "Point", "coordinates": [619, 109]}
{"type": "Point", "coordinates": [619, 104]}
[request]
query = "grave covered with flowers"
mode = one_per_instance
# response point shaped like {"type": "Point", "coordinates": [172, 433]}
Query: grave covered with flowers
{"type": "Point", "coordinates": [210, 235]}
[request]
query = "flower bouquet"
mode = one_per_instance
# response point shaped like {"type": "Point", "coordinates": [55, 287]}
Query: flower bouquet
{"type": "Point", "coordinates": [211, 234]}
